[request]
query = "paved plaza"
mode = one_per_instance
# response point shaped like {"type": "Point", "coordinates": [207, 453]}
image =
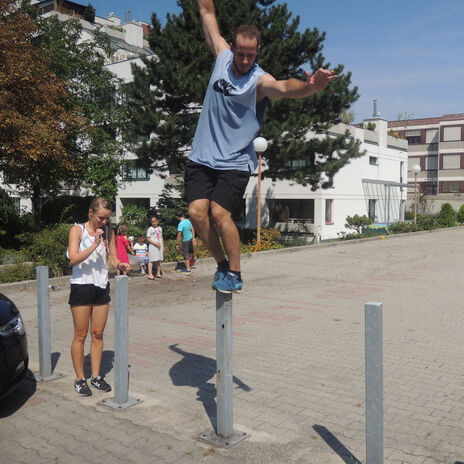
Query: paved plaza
{"type": "Point", "coordinates": [298, 362]}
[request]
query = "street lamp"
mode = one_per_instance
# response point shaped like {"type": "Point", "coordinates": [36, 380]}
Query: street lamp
{"type": "Point", "coordinates": [260, 144]}
{"type": "Point", "coordinates": [415, 169]}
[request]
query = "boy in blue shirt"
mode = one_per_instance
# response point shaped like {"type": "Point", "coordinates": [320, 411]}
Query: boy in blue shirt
{"type": "Point", "coordinates": [186, 235]}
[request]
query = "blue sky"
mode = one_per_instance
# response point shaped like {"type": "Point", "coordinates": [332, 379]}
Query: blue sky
{"type": "Point", "coordinates": [408, 55]}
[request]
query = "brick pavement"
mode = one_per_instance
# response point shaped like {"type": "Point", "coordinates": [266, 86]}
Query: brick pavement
{"type": "Point", "coordinates": [298, 362]}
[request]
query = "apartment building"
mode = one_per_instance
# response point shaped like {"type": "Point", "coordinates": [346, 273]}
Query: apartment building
{"type": "Point", "coordinates": [436, 145]}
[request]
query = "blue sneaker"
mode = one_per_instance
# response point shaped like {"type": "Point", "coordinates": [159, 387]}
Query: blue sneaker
{"type": "Point", "coordinates": [229, 284]}
{"type": "Point", "coordinates": [219, 275]}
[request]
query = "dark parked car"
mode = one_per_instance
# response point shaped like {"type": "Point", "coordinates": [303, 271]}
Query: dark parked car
{"type": "Point", "coordinates": [14, 357]}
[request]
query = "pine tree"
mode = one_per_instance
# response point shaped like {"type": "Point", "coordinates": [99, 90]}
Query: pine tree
{"type": "Point", "coordinates": [166, 96]}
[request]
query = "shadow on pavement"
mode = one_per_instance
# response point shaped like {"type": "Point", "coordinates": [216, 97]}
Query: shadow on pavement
{"type": "Point", "coordinates": [106, 364]}
{"type": "Point", "coordinates": [195, 370]}
{"type": "Point", "coordinates": [344, 453]}
{"type": "Point", "coordinates": [55, 357]}
{"type": "Point", "coordinates": [18, 397]}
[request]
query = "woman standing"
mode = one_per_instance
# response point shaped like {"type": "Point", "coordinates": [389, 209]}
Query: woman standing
{"type": "Point", "coordinates": [88, 248]}
{"type": "Point", "coordinates": [155, 249]}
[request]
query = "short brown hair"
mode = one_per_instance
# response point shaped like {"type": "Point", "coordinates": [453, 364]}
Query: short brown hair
{"type": "Point", "coordinates": [122, 229]}
{"type": "Point", "coordinates": [248, 30]}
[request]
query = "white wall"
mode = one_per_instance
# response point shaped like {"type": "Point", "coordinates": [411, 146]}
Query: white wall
{"type": "Point", "coordinates": [349, 193]}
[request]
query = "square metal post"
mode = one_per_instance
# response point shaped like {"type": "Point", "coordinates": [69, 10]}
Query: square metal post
{"type": "Point", "coordinates": [43, 323]}
{"type": "Point", "coordinates": [121, 398]}
{"type": "Point", "coordinates": [374, 383]}
{"type": "Point", "coordinates": [225, 434]}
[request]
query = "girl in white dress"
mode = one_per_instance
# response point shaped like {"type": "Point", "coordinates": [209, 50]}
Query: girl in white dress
{"type": "Point", "coordinates": [155, 249]}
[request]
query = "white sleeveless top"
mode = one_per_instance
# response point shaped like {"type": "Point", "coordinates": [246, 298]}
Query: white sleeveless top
{"type": "Point", "coordinates": [93, 270]}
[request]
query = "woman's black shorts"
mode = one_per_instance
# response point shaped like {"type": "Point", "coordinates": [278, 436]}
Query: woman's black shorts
{"type": "Point", "coordinates": [89, 295]}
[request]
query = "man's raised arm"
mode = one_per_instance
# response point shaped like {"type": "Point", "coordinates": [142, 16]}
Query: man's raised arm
{"type": "Point", "coordinates": [216, 43]}
{"type": "Point", "coordinates": [269, 87]}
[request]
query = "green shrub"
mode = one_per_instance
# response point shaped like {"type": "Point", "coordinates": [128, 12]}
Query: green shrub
{"type": "Point", "coordinates": [402, 227]}
{"type": "Point", "coordinates": [48, 248]}
{"type": "Point", "coordinates": [409, 215]}
{"type": "Point", "coordinates": [247, 234]}
{"type": "Point", "coordinates": [447, 215]}
{"type": "Point", "coordinates": [427, 222]}
{"type": "Point", "coordinates": [357, 223]}
{"type": "Point", "coordinates": [17, 272]}
{"type": "Point", "coordinates": [352, 236]}
{"type": "Point", "coordinates": [460, 215]}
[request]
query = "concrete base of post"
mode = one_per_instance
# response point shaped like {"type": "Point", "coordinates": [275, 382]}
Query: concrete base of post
{"type": "Point", "coordinates": [113, 404]}
{"type": "Point", "coordinates": [41, 378]}
{"type": "Point", "coordinates": [224, 442]}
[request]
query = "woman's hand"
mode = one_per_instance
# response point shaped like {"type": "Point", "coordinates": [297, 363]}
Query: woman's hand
{"type": "Point", "coordinates": [124, 267]}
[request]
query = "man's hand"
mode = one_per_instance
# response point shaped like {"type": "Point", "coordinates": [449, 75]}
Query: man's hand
{"type": "Point", "coordinates": [320, 79]}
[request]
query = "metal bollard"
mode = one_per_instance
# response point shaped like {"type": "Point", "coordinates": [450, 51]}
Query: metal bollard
{"type": "Point", "coordinates": [225, 435]}
{"type": "Point", "coordinates": [43, 316]}
{"type": "Point", "coordinates": [374, 383]}
{"type": "Point", "coordinates": [121, 398]}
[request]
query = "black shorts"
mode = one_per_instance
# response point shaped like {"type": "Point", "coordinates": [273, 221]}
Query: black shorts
{"type": "Point", "coordinates": [225, 187]}
{"type": "Point", "coordinates": [89, 295]}
{"type": "Point", "coordinates": [187, 248]}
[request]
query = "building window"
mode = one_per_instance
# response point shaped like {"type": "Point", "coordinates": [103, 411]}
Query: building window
{"type": "Point", "coordinates": [371, 212]}
{"type": "Point", "coordinates": [431, 163]}
{"type": "Point", "coordinates": [430, 189]}
{"type": "Point", "coordinates": [143, 203]}
{"type": "Point", "coordinates": [413, 137]}
{"type": "Point", "coordinates": [451, 161]}
{"type": "Point", "coordinates": [135, 170]}
{"type": "Point", "coordinates": [281, 209]}
{"type": "Point", "coordinates": [450, 187]}
{"type": "Point", "coordinates": [299, 163]}
{"type": "Point", "coordinates": [17, 203]}
{"type": "Point", "coordinates": [328, 211]}
{"type": "Point", "coordinates": [414, 140]}
{"type": "Point", "coordinates": [431, 136]}
{"type": "Point", "coordinates": [451, 133]}
{"type": "Point", "coordinates": [373, 160]}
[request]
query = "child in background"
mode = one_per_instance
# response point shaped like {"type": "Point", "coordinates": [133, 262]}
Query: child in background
{"type": "Point", "coordinates": [141, 252]}
{"type": "Point", "coordinates": [155, 249]}
{"type": "Point", "coordinates": [122, 246]}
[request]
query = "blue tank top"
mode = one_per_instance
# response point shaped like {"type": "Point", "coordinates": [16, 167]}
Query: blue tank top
{"type": "Point", "coordinates": [230, 118]}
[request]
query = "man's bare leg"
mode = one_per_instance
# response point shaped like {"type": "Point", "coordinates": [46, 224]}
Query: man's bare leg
{"type": "Point", "coordinates": [199, 215]}
{"type": "Point", "coordinates": [229, 234]}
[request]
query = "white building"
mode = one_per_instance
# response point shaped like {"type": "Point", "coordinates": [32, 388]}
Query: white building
{"type": "Point", "coordinates": [373, 185]}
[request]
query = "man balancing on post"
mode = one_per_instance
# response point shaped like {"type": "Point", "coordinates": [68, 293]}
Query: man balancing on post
{"type": "Point", "coordinates": [222, 156]}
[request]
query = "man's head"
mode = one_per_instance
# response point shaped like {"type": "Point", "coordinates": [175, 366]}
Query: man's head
{"type": "Point", "coordinates": [245, 47]}
{"type": "Point", "coordinates": [180, 215]}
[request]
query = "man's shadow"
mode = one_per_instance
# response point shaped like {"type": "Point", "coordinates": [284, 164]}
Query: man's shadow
{"type": "Point", "coordinates": [194, 370]}
{"type": "Point", "coordinates": [105, 367]}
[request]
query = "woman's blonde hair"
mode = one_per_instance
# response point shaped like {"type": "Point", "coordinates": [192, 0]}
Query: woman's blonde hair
{"type": "Point", "coordinates": [100, 202]}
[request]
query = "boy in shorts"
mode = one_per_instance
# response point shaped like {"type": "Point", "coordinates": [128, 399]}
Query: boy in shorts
{"type": "Point", "coordinates": [186, 236]}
